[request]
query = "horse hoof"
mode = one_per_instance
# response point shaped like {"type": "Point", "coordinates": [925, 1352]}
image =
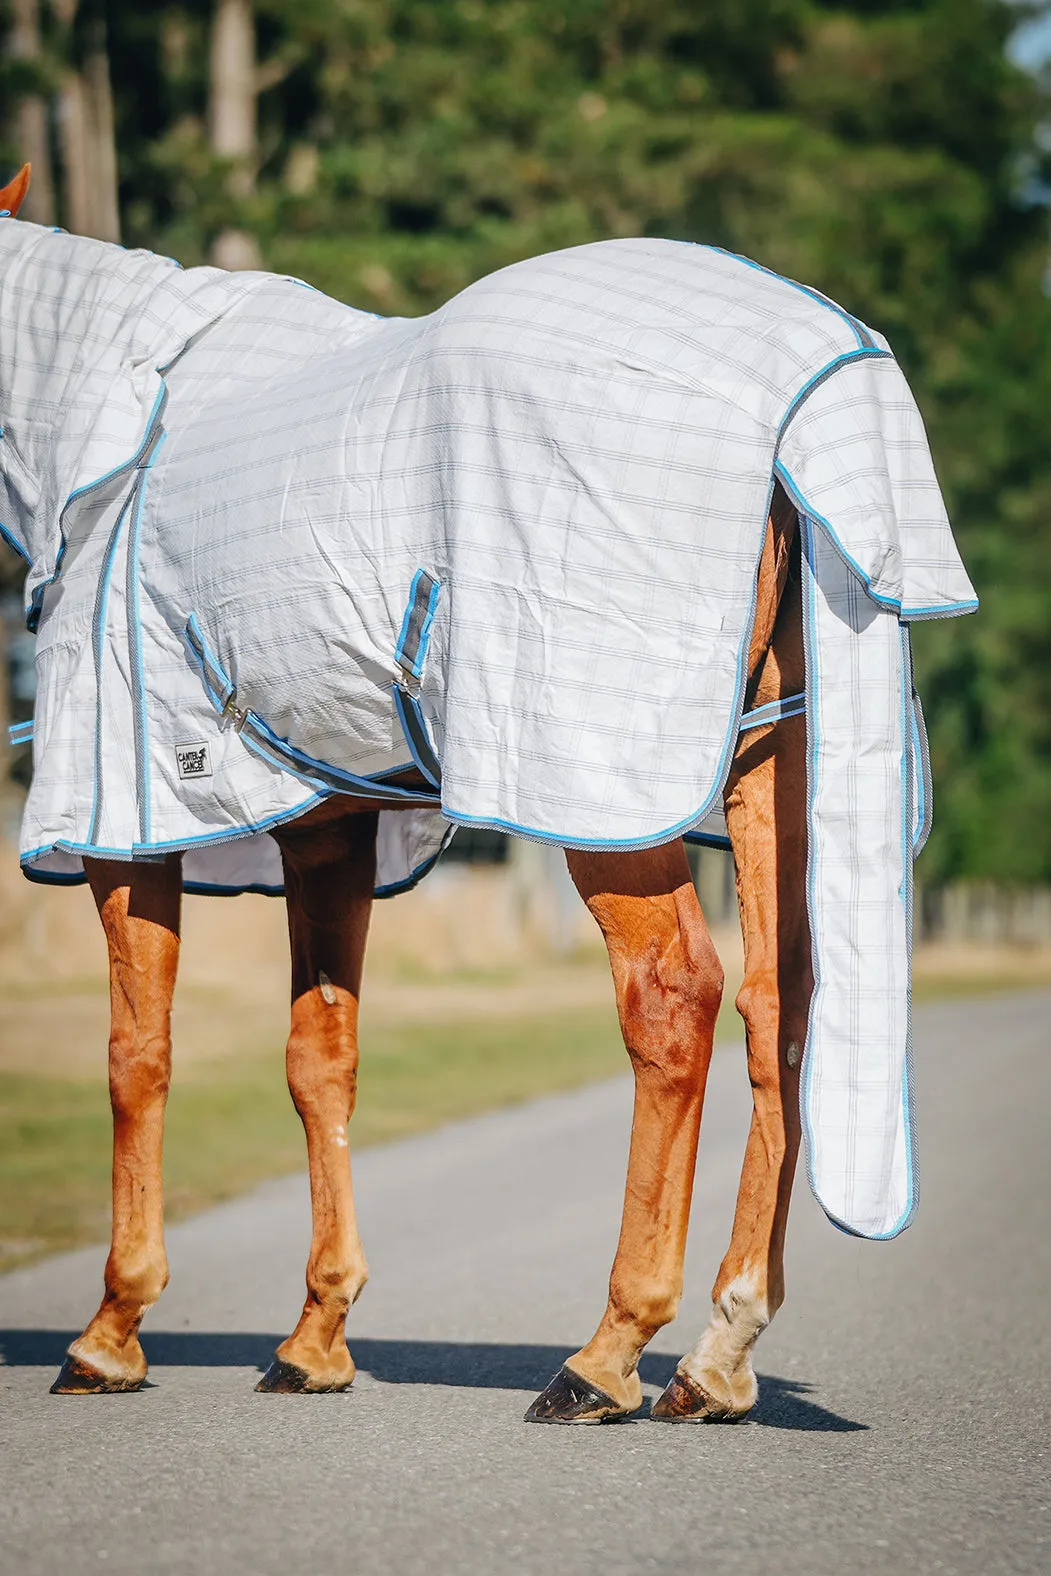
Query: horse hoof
{"type": "Point", "coordinates": [79, 1378]}
{"type": "Point", "coordinates": [283, 1378]}
{"type": "Point", "coordinates": [685, 1402]}
{"type": "Point", "coordinates": [570, 1399]}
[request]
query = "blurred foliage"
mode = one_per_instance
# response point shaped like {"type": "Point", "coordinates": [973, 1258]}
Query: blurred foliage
{"type": "Point", "coordinates": [888, 153]}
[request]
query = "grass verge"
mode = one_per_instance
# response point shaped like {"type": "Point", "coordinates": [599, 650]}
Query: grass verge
{"type": "Point", "coordinates": [231, 1124]}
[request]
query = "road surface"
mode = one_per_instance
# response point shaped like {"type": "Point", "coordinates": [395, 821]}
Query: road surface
{"type": "Point", "coordinates": [903, 1416]}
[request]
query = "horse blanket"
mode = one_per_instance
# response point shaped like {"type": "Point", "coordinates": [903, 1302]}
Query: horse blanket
{"type": "Point", "coordinates": [279, 549]}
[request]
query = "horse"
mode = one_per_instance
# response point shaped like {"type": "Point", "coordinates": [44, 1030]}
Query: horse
{"type": "Point", "coordinates": [667, 979]}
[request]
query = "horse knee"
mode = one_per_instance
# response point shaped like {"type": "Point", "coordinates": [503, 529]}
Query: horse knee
{"type": "Point", "coordinates": [669, 999]}
{"type": "Point", "coordinates": [321, 1057]}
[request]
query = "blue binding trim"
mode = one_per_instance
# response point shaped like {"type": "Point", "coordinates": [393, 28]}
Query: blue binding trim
{"type": "Point", "coordinates": [269, 746]}
{"type": "Point", "coordinates": [721, 772]}
{"type": "Point", "coordinates": [12, 541]}
{"type": "Point", "coordinates": [414, 727]}
{"type": "Point", "coordinates": [774, 711]}
{"type": "Point", "coordinates": [806, 523]}
{"type": "Point", "coordinates": [208, 888]}
{"type": "Point", "coordinates": [861, 333]}
{"type": "Point", "coordinates": [413, 662]}
{"type": "Point", "coordinates": [863, 353]}
{"type": "Point", "coordinates": [98, 646]}
{"type": "Point", "coordinates": [709, 840]}
{"type": "Point", "coordinates": [912, 1196]}
{"type": "Point", "coordinates": [944, 610]}
{"type": "Point", "coordinates": [416, 628]}
{"type": "Point", "coordinates": [149, 436]}
{"type": "Point", "coordinates": [229, 835]}
{"type": "Point", "coordinates": [20, 733]}
{"type": "Point", "coordinates": [219, 687]}
{"type": "Point", "coordinates": [138, 673]}
{"type": "Point", "coordinates": [924, 787]}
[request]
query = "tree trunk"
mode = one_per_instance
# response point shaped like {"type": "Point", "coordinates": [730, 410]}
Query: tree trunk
{"type": "Point", "coordinates": [86, 129]}
{"type": "Point", "coordinates": [30, 120]}
{"type": "Point", "coordinates": [99, 95]}
{"type": "Point", "coordinates": [232, 116]}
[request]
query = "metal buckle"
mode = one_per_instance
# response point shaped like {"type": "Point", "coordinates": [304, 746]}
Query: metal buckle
{"type": "Point", "coordinates": [232, 712]}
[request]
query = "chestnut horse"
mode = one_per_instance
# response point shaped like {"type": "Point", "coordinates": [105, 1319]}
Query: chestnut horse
{"type": "Point", "coordinates": [668, 983]}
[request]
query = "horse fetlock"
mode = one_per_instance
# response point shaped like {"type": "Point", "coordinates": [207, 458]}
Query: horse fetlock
{"type": "Point", "coordinates": [721, 1361]}
{"type": "Point", "coordinates": [132, 1288]}
{"type": "Point", "coordinates": [335, 1288]}
{"type": "Point", "coordinates": [742, 1310]}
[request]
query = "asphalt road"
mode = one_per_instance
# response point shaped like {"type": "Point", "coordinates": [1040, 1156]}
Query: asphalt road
{"type": "Point", "coordinates": [903, 1417]}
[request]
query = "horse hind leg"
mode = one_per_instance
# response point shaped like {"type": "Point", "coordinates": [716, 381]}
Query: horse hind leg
{"type": "Point", "coordinates": [139, 908]}
{"type": "Point", "coordinates": [766, 819]}
{"type": "Point", "coordinates": [669, 986]}
{"type": "Point", "coordinates": [330, 868]}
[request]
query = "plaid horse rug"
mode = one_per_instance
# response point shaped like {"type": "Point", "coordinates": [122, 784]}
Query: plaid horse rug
{"type": "Point", "coordinates": [280, 549]}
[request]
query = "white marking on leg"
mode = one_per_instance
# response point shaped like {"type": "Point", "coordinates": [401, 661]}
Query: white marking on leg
{"type": "Point", "coordinates": [721, 1362]}
{"type": "Point", "coordinates": [340, 1135]}
{"type": "Point", "coordinates": [328, 990]}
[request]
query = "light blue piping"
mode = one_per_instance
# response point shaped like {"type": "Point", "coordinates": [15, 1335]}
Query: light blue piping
{"type": "Point", "coordinates": [812, 747]}
{"type": "Point", "coordinates": [406, 704]}
{"type": "Point", "coordinates": [774, 711]}
{"type": "Point", "coordinates": [128, 464]}
{"type": "Point", "coordinates": [403, 633]}
{"type": "Point", "coordinates": [815, 295]}
{"type": "Point", "coordinates": [709, 840]}
{"type": "Point", "coordinates": [287, 756]}
{"type": "Point", "coordinates": [863, 353]}
{"type": "Point", "coordinates": [20, 733]}
{"type": "Point", "coordinates": [415, 876]}
{"type": "Point", "coordinates": [402, 702]}
{"type": "Point", "coordinates": [142, 741]}
{"type": "Point", "coordinates": [209, 666]}
{"type": "Point", "coordinates": [722, 769]}
{"type": "Point", "coordinates": [36, 601]}
{"type": "Point", "coordinates": [416, 666]}
{"type": "Point", "coordinates": [269, 746]}
{"type": "Point", "coordinates": [912, 1195]}
{"type": "Point", "coordinates": [12, 540]}
{"type": "Point", "coordinates": [946, 610]}
{"type": "Point", "coordinates": [230, 835]}
{"type": "Point", "coordinates": [813, 755]}
{"type": "Point", "coordinates": [922, 776]}
{"type": "Point", "coordinates": [205, 888]}
{"type": "Point", "coordinates": [98, 641]}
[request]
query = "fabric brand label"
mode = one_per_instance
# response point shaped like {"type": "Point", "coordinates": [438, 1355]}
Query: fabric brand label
{"type": "Point", "coordinates": [192, 760]}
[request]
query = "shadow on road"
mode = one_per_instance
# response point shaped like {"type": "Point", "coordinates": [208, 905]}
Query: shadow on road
{"type": "Point", "coordinates": [783, 1403]}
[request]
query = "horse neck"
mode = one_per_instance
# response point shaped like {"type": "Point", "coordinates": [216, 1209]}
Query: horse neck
{"type": "Point", "coordinates": [76, 325]}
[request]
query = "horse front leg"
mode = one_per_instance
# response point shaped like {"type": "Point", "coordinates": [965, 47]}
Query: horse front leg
{"type": "Point", "coordinates": [669, 983]}
{"type": "Point", "coordinates": [330, 870]}
{"type": "Point", "coordinates": [766, 819]}
{"type": "Point", "coordinates": [139, 907]}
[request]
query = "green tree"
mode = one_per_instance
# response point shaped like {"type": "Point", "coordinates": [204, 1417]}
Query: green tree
{"type": "Point", "coordinates": [886, 151]}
